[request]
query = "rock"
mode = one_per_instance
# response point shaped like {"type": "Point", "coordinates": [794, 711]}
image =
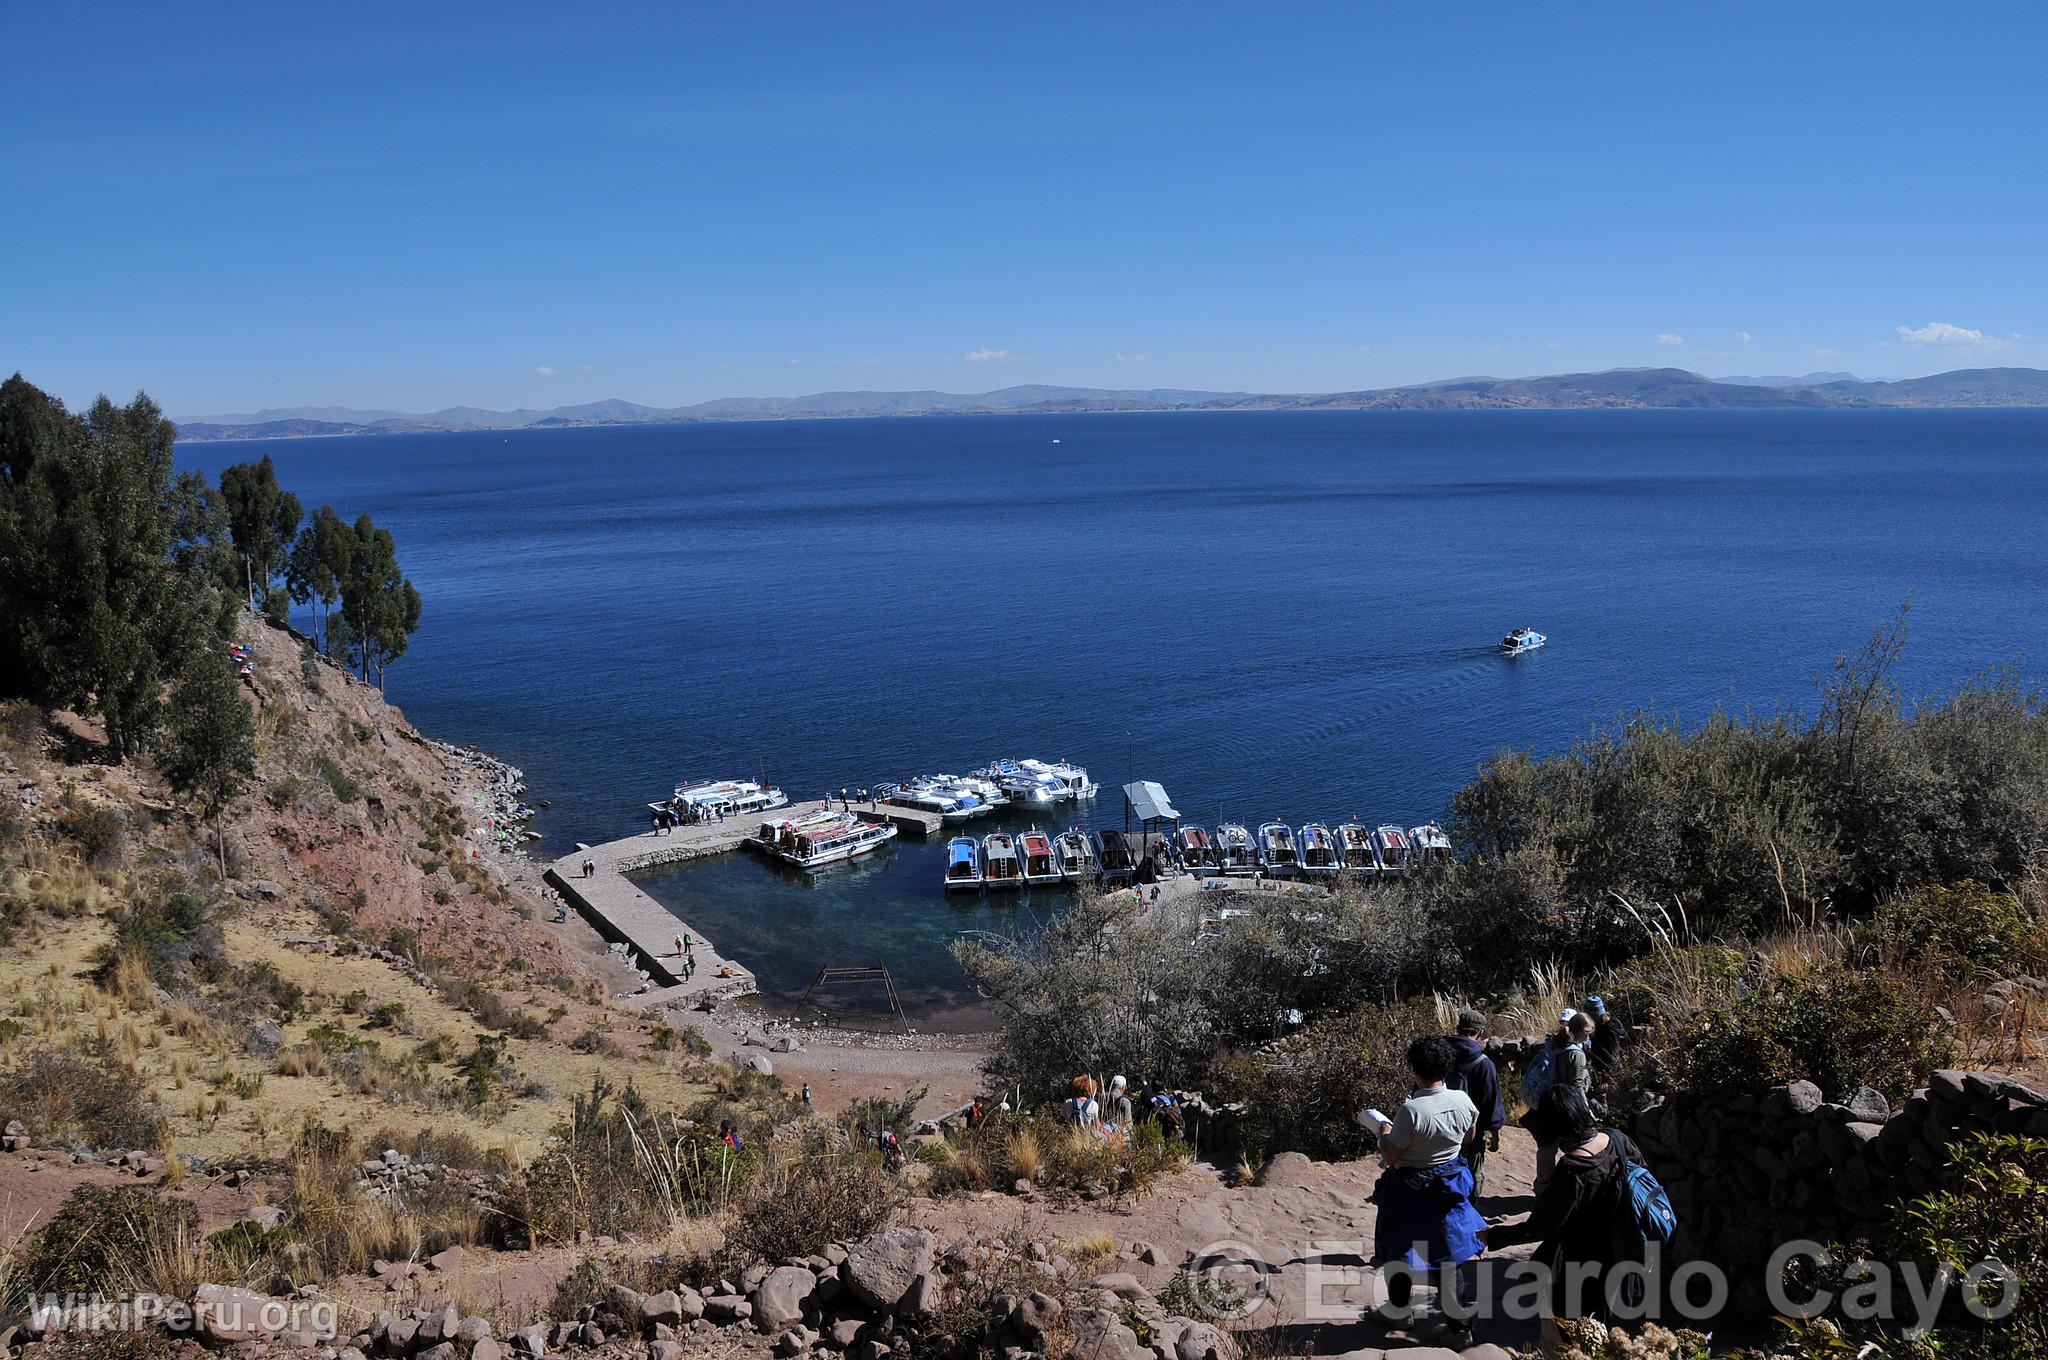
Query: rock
{"type": "Point", "coordinates": [881, 1270]}
{"type": "Point", "coordinates": [1947, 1085]}
{"type": "Point", "coordinates": [693, 1304]}
{"type": "Point", "coordinates": [780, 1296]}
{"type": "Point", "coordinates": [1868, 1107]}
{"type": "Point", "coordinates": [663, 1306]}
{"type": "Point", "coordinates": [471, 1330]}
{"type": "Point", "coordinates": [266, 1216]}
{"type": "Point", "coordinates": [1125, 1286]}
{"type": "Point", "coordinates": [761, 1063]}
{"type": "Point", "coordinates": [229, 1315]}
{"type": "Point", "coordinates": [1286, 1168]}
{"type": "Point", "coordinates": [1205, 1341]}
{"type": "Point", "coordinates": [868, 1348]}
{"type": "Point", "coordinates": [438, 1326]}
{"type": "Point", "coordinates": [265, 1039]}
{"type": "Point", "coordinates": [1489, 1351]}
{"type": "Point", "coordinates": [1421, 1353]}
{"type": "Point", "coordinates": [486, 1349]}
{"type": "Point", "coordinates": [727, 1307]}
{"type": "Point", "coordinates": [790, 1344]}
{"type": "Point", "coordinates": [1145, 1252]}
{"type": "Point", "coordinates": [843, 1333]}
{"type": "Point", "coordinates": [444, 1351]}
{"type": "Point", "coordinates": [1098, 1335]}
{"type": "Point", "coordinates": [664, 1350]}
{"type": "Point", "coordinates": [1796, 1097]}
{"type": "Point", "coordinates": [1035, 1313]}
{"type": "Point", "coordinates": [345, 1353]}
{"type": "Point", "coordinates": [532, 1340]}
{"type": "Point", "coordinates": [922, 1300]}
{"type": "Point", "coordinates": [446, 1261]}
{"type": "Point", "coordinates": [399, 1336]}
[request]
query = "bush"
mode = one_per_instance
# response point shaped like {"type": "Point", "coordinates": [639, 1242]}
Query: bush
{"type": "Point", "coordinates": [167, 933]}
{"type": "Point", "coordinates": [1993, 1206]}
{"type": "Point", "coordinates": [344, 786]}
{"type": "Point", "coordinates": [814, 1193]}
{"type": "Point", "coordinates": [1837, 1027]}
{"type": "Point", "coordinates": [1300, 1095]}
{"type": "Point", "coordinates": [1055, 1157]}
{"type": "Point", "coordinates": [85, 1096]}
{"type": "Point", "coordinates": [1967, 928]}
{"type": "Point", "coordinates": [97, 831]}
{"type": "Point", "coordinates": [102, 1240]}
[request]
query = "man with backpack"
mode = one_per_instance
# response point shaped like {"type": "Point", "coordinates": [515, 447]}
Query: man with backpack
{"type": "Point", "coordinates": [1560, 1062]}
{"type": "Point", "coordinates": [1475, 1074]}
{"type": "Point", "coordinates": [1609, 1035]}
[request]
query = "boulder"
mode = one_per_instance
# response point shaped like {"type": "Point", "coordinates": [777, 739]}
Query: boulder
{"type": "Point", "coordinates": [532, 1341]}
{"type": "Point", "coordinates": [445, 1351]}
{"type": "Point", "coordinates": [1286, 1168]}
{"type": "Point", "coordinates": [229, 1315]}
{"type": "Point", "coordinates": [1800, 1097]}
{"type": "Point", "coordinates": [438, 1326]}
{"type": "Point", "coordinates": [266, 1216]}
{"type": "Point", "coordinates": [664, 1350]}
{"type": "Point", "coordinates": [1145, 1252]}
{"type": "Point", "coordinates": [1034, 1313]}
{"type": "Point", "coordinates": [664, 1306]}
{"type": "Point", "coordinates": [399, 1336]}
{"type": "Point", "coordinates": [922, 1299]}
{"type": "Point", "coordinates": [727, 1308]}
{"type": "Point", "coordinates": [471, 1330]}
{"type": "Point", "coordinates": [780, 1297]}
{"type": "Point", "coordinates": [1868, 1107]}
{"type": "Point", "coordinates": [1205, 1341]}
{"type": "Point", "coordinates": [880, 1271]}
{"type": "Point", "coordinates": [1125, 1286]}
{"type": "Point", "coordinates": [265, 1039]}
{"type": "Point", "coordinates": [446, 1261]}
{"type": "Point", "coordinates": [1099, 1335]}
{"type": "Point", "coordinates": [790, 1344]}
{"type": "Point", "coordinates": [843, 1333]}
{"type": "Point", "coordinates": [486, 1348]}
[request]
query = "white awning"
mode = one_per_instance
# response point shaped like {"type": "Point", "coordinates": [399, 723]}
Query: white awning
{"type": "Point", "coordinates": [1150, 802]}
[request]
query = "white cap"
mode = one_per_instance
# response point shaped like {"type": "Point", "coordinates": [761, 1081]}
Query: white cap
{"type": "Point", "coordinates": [1568, 1016]}
{"type": "Point", "coordinates": [1117, 1083]}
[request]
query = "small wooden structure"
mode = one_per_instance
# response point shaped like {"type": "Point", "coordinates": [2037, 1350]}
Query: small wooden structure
{"type": "Point", "coordinates": [872, 972]}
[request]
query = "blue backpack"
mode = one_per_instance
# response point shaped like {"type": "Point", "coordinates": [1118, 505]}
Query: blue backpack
{"type": "Point", "coordinates": [1642, 1213]}
{"type": "Point", "coordinates": [1538, 1075]}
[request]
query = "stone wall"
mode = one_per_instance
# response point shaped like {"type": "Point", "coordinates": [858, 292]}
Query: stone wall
{"type": "Point", "coordinates": [1749, 1173]}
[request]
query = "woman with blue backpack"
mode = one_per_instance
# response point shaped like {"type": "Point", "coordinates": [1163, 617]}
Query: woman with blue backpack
{"type": "Point", "coordinates": [1601, 1207]}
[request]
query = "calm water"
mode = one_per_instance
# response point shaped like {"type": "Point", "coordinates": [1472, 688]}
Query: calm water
{"type": "Point", "coordinates": [1271, 614]}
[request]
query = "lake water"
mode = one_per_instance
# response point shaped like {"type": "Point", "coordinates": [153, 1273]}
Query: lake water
{"type": "Point", "coordinates": [1272, 614]}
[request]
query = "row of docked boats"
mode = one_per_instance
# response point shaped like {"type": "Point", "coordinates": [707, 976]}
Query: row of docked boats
{"type": "Point", "coordinates": [999, 784]}
{"type": "Point", "coordinates": [1002, 860]}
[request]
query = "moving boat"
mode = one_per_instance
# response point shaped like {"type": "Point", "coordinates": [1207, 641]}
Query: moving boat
{"type": "Point", "coordinates": [1034, 847]}
{"type": "Point", "coordinates": [963, 866]}
{"type": "Point", "coordinates": [1000, 868]}
{"type": "Point", "coordinates": [725, 798]}
{"type": "Point", "coordinates": [810, 842]}
{"type": "Point", "coordinates": [1522, 640]}
{"type": "Point", "coordinates": [1074, 854]}
{"type": "Point", "coordinates": [1355, 839]}
{"type": "Point", "coordinates": [1278, 854]}
{"type": "Point", "coordinates": [1197, 850]}
{"type": "Point", "coordinates": [1115, 856]}
{"type": "Point", "coordinates": [1391, 843]}
{"type": "Point", "coordinates": [1429, 844]}
{"type": "Point", "coordinates": [1235, 853]}
{"type": "Point", "coordinates": [1319, 855]}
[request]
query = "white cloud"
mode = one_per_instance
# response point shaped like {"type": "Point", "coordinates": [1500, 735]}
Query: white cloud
{"type": "Point", "coordinates": [1669, 339]}
{"type": "Point", "coordinates": [544, 372]}
{"type": "Point", "coordinates": [1744, 336]}
{"type": "Point", "coordinates": [1942, 333]}
{"type": "Point", "coordinates": [1130, 358]}
{"type": "Point", "coordinates": [987, 356]}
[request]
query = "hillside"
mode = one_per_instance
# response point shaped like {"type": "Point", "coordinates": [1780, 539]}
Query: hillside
{"type": "Point", "coordinates": [1640, 388]}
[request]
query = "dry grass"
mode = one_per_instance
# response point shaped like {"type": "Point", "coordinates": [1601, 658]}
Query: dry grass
{"type": "Point", "coordinates": [1027, 1159]}
{"type": "Point", "coordinates": [1090, 1247]}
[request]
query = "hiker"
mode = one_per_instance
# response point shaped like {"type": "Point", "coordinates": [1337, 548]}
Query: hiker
{"type": "Point", "coordinates": [680, 951]}
{"type": "Point", "coordinates": [1609, 1036]}
{"type": "Point", "coordinates": [589, 868]}
{"type": "Point", "coordinates": [1475, 1074]}
{"type": "Point", "coordinates": [730, 1136]}
{"type": "Point", "coordinates": [1579, 1215]}
{"type": "Point", "coordinates": [975, 1114]}
{"type": "Point", "coordinates": [1120, 1104]}
{"type": "Point", "coordinates": [1426, 1218]}
{"type": "Point", "coordinates": [807, 1095]}
{"type": "Point", "coordinates": [1163, 1107]}
{"type": "Point", "coordinates": [1081, 1110]}
{"type": "Point", "coordinates": [1561, 1061]}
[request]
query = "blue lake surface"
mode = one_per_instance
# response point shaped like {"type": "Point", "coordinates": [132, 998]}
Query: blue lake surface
{"type": "Point", "coordinates": [1272, 614]}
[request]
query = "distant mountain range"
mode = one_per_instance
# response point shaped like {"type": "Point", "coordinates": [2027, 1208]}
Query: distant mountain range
{"type": "Point", "coordinates": [1662, 388]}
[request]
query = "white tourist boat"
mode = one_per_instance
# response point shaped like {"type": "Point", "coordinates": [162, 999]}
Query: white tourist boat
{"type": "Point", "coordinates": [963, 865]}
{"type": "Point", "coordinates": [826, 838]}
{"type": "Point", "coordinates": [1320, 857]}
{"type": "Point", "coordinates": [1522, 640]}
{"type": "Point", "coordinates": [1236, 855]}
{"type": "Point", "coordinates": [1279, 856]}
{"type": "Point", "coordinates": [925, 795]}
{"type": "Point", "coordinates": [1074, 854]}
{"type": "Point", "coordinates": [1354, 842]}
{"type": "Point", "coordinates": [1429, 844]}
{"type": "Point", "coordinates": [1034, 848]}
{"type": "Point", "coordinates": [1390, 843]}
{"type": "Point", "coordinates": [1073, 779]}
{"type": "Point", "coordinates": [1023, 786]}
{"type": "Point", "coordinates": [725, 798]}
{"type": "Point", "coordinates": [1000, 867]}
{"type": "Point", "coordinates": [1197, 850]}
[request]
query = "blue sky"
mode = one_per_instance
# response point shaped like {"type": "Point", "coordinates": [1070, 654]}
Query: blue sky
{"type": "Point", "coordinates": [419, 206]}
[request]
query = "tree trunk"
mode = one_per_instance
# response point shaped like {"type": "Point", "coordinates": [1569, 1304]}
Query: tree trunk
{"type": "Point", "coordinates": [220, 848]}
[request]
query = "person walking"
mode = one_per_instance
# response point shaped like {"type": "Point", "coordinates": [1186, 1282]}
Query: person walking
{"type": "Point", "coordinates": [1474, 1073]}
{"type": "Point", "coordinates": [680, 951]}
{"type": "Point", "coordinates": [1120, 1113]}
{"type": "Point", "coordinates": [1573, 1222]}
{"type": "Point", "coordinates": [1610, 1036]}
{"type": "Point", "coordinates": [1562, 1061]}
{"type": "Point", "coordinates": [807, 1095]}
{"type": "Point", "coordinates": [1080, 1108]}
{"type": "Point", "coordinates": [1424, 1197]}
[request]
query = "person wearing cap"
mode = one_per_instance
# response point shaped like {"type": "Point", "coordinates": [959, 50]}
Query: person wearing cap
{"type": "Point", "coordinates": [1568, 1067]}
{"type": "Point", "coordinates": [1474, 1073]}
{"type": "Point", "coordinates": [1609, 1034]}
{"type": "Point", "coordinates": [1120, 1104]}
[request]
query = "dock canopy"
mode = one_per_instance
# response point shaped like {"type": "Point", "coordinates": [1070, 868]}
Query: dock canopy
{"type": "Point", "coordinates": [1150, 802]}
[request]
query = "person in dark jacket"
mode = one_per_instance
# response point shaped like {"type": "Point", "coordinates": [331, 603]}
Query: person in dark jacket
{"type": "Point", "coordinates": [1573, 1220]}
{"type": "Point", "coordinates": [1475, 1074]}
{"type": "Point", "coordinates": [1609, 1035]}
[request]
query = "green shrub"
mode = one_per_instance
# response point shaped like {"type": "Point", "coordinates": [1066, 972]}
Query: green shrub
{"type": "Point", "coordinates": [1302, 1093]}
{"type": "Point", "coordinates": [1968, 927]}
{"type": "Point", "coordinates": [1838, 1027]}
{"type": "Point", "coordinates": [83, 1096]}
{"type": "Point", "coordinates": [344, 786]}
{"type": "Point", "coordinates": [1993, 1206]}
{"type": "Point", "coordinates": [168, 933]}
{"type": "Point", "coordinates": [97, 831]}
{"type": "Point", "coordinates": [101, 1239]}
{"type": "Point", "coordinates": [812, 1194]}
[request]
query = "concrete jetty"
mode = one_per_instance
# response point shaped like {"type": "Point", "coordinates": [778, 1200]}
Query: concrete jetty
{"type": "Point", "coordinates": [607, 898]}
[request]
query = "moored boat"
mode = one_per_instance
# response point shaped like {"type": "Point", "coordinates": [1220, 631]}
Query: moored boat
{"type": "Point", "coordinates": [1236, 855]}
{"type": "Point", "coordinates": [1197, 850]}
{"type": "Point", "coordinates": [963, 865]}
{"type": "Point", "coordinates": [1000, 867]}
{"type": "Point", "coordinates": [1390, 842]}
{"type": "Point", "coordinates": [1073, 779]}
{"type": "Point", "coordinates": [1354, 840]}
{"type": "Point", "coordinates": [812, 842]}
{"type": "Point", "coordinates": [725, 798]}
{"type": "Point", "coordinates": [923, 795]}
{"type": "Point", "coordinates": [1074, 854]}
{"type": "Point", "coordinates": [1023, 785]}
{"type": "Point", "coordinates": [1428, 844]}
{"type": "Point", "coordinates": [1279, 856]}
{"type": "Point", "coordinates": [1034, 848]}
{"type": "Point", "coordinates": [1114, 854]}
{"type": "Point", "coordinates": [1319, 856]}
